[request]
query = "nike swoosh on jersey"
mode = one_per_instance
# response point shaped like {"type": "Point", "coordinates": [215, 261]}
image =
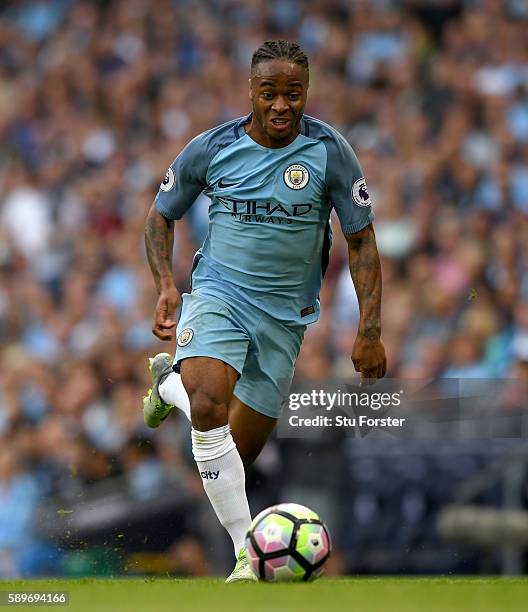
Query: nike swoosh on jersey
{"type": "Point", "coordinates": [223, 185]}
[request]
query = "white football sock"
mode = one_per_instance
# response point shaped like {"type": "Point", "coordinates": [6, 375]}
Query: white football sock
{"type": "Point", "coordinates": [224, 480]}
{"type": "Point", "coordinates": [173, 392]}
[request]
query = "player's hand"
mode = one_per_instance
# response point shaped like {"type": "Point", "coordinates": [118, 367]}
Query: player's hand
{"type": "Point", "coordinates": [164, 324]}
{"type": "Point", "coordinates": [368, 357]}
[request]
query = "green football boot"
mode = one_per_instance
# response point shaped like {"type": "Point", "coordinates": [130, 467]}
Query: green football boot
{"type": "Point", "coordinates": [242, 571]}
{"type": "Point", "coordinates": [155, 410]}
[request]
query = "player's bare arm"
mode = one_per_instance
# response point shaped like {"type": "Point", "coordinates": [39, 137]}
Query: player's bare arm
{"type": "Point", "coordinates": [368, 354]}
{"type": "Point", "coordinates": [159, 239]}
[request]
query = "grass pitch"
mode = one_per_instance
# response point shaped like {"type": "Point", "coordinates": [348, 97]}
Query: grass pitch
{"type": "Point", "coordinates": [325, 595]}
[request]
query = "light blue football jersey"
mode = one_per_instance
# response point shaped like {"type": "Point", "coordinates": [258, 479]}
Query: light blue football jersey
{"type": "Point", "coordinates": [269, 234]}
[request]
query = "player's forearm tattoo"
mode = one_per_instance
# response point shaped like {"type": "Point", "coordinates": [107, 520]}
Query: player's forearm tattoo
{"type": "Point", "coordinates": [365, 269]}
{"type": "Point", "coordinates": [159, 240]}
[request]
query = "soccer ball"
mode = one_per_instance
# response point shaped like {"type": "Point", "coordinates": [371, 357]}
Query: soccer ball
{"type": "Point", "coordinates": [288, 542]}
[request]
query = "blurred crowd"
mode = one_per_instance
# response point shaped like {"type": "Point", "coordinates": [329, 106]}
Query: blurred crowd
{"type": "Point", "coordinates": [97, 98]}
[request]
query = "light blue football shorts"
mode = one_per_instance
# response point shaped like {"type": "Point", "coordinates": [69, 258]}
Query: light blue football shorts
{"type": "Point", "coordinates": [261, 349]}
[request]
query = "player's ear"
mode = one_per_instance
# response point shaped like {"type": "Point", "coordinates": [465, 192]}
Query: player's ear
{"type": "Point", "coordinates": [250, 89]}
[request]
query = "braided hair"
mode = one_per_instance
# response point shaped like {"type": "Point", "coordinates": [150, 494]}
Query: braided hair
{"type": "Point", "coordinates": [279, 49]}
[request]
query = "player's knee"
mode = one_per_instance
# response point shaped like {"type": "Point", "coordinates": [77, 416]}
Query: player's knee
{"type": "Point", "coordinates": [207, 410]}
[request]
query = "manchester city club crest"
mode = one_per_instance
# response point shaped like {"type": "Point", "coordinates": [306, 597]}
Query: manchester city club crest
{"type": "Point", "coordinates": [296, 176]}
{"type": "Point", "coordinates": [185, 337]}
{"type": "Point", "coordinates": [360, 193]}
